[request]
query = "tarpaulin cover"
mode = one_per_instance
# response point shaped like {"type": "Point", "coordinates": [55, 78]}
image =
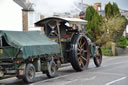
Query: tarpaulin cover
{"type": "Point", "coordinates": [31, 43]}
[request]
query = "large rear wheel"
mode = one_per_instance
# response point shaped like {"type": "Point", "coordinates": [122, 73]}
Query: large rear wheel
{"type": "Point", "coordinates": [79, 57]}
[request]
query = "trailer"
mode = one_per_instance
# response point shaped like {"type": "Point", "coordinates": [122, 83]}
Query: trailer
{"type": "Point", "coordinates": [24, 53]}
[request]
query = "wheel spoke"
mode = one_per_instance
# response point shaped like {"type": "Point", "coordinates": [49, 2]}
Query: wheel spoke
{"type": "Point", "coordinates": [80, 41]}
{"type": "Point", "coordinates": [78, 53]}
{"type": "Point", "coordinates": [82, 63]}
{"type": "Point", "coordinates": [79, 59]}
{"type": "Point", "coordinates": [78, 49]}
{"type": "Point", "coordinates": [82, 45]}
{"type": "Point", "coordinates": [83, 58]}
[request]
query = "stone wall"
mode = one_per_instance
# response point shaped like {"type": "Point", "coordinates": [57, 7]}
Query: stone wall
{"type": "Point", "coordinates": [121, 51]}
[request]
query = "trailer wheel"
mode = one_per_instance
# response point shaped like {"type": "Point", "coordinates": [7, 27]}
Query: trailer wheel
{"type": "Point", "coordinates": [29, 73]}
{"type": "Point", "coordinates": [80, 54]}
{"type": "Point", "coordinates": [52, 69]}
{"type": "Point", "coordinates": [98, 58]}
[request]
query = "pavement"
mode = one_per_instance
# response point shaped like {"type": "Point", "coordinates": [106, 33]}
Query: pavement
{"type": "Point", "coordinates": [113, 71]}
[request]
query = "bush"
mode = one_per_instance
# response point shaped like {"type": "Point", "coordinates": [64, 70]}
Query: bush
{"type": "Point", "coordinates": [122, 42]}
{"type": "Point", "coordinates": [106, 51]}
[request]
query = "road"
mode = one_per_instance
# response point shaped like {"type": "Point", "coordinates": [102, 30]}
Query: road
{"type": "Point", "coordinates": [114, 71]}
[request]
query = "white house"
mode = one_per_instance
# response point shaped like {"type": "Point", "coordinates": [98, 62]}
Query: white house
{"type": "Point", "coordinates": [125, 13]}
{"type": "Point", "coordinates": [10, 15]}
{"type": "Point", "coordinates": [14, 17]}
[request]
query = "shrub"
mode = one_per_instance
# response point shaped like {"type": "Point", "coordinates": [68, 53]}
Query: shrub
{"type": "Point", "coordinates": [106, 51]}
{"type": "Point", "coordinates": [122, 42]}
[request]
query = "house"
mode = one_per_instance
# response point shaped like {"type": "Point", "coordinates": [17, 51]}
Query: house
{"type": "Point", "coordinates": [29, 15]}
{"type": "Point", "coordinates": [125, 13]}
{"type": "Point", "coordinates": [18, 15]}
{"type": "Point", "coordinates": [10, 15]}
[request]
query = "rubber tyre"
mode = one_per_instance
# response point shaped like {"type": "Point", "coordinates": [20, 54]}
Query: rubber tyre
{"type": "Point", "coordinates": [98, 58]}
{"type": "Point", "coordinates": [52, 69]}
{"type": "Point", "coordinates": [73, 54]}
{"type": "Point", "coordinates": [29, 77]}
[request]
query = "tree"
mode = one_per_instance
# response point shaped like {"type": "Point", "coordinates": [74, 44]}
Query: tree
{"type": "Point", "coordinates": [115, 9]}
{"type": "Point", "coordinates": [89, 13]}
{"type": "Point", "coordinates": [114, 25]}
{"type": "Point", "coordinates": [108, 10]}
{"type": "Point", "coordinates": [94, 22]}
{"type": "Point", "coordinates": [111, 10]}
{"type": "Point", "coordinates": [105, 29]}
{"type": "Point", "coordinates": [112, 30]}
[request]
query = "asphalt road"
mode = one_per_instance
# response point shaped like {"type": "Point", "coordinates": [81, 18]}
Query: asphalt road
{"type": "Point", "coordinates": [114, 71]}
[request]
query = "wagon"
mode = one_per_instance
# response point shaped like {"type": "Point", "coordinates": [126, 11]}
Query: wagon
{"type": "Point", "coordinates": [64, 41]}
{"type": "Point", "coordinates": [24, 53]}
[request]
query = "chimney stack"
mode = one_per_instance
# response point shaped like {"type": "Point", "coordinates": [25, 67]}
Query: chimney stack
{"type": "Point", "coordinates": [27, 7]}
{"type": "Point", "coordinates": [97, 6]}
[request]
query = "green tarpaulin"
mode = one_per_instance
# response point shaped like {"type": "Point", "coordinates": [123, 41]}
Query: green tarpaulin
{"type": "Point", "coordinates": [31, 43]}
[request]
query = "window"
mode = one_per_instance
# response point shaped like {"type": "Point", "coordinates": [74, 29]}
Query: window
{"type": "Point", "coordinates": [127, 29]}
{"type": "Point", "coordinates": [32, 18]}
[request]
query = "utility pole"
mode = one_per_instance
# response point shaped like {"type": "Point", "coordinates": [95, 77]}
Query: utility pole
{"type": "Point", "coordinates": [82, 2]}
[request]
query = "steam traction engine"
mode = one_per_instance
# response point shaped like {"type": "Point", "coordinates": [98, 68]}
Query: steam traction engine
{"type": "Point", "coordinates": [75, 46]}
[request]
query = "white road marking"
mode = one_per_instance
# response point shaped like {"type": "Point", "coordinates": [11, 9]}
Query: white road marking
{"type": "Point", "coordinates": [88, 79]}
{"type": "Point", "coordinates": [52, 78]}
{"type": "Point", "coordinates": [68, 82]}
{"type": "Point", "coordinates": [114, 81]}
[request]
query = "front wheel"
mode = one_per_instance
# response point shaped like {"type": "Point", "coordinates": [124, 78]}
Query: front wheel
{"type": "Point", "coordinates": [29, 73]}
{"type": "Point", "coordinates": [98, 58]}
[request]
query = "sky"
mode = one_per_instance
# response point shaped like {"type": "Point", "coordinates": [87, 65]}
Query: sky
{"type": "Point", "coordinates": [123, 4]}
{"type": "Point", "coordinates": [47, 7]}
{"type": "Point", "coordinates": [11, 13]}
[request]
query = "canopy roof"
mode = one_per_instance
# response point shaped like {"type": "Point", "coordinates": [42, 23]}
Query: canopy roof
{"type": "Point", "coordinates": [31, 43]}
{"type": "Point", "coordinates": [60, 19]}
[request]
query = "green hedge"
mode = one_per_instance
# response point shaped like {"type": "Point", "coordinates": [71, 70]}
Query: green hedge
{"type": "Point", "coordinates": [106, 51]}
{"type": "Point", "coordinates": [122, 42]}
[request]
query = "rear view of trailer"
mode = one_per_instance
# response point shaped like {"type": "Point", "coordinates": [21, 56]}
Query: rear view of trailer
{"type": "Point", "coordinates": [24, 53]}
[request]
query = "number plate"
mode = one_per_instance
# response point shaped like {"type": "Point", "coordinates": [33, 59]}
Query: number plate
{"type": "Point", "coordinates": [1, 51]}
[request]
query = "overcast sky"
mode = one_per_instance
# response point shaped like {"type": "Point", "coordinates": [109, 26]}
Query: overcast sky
{"type": "Point", "coordinates": [123, 4]}
{"type": "Point", "coordinates": [11, 14]}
